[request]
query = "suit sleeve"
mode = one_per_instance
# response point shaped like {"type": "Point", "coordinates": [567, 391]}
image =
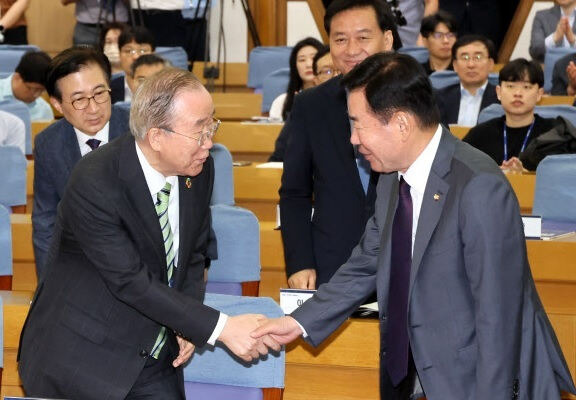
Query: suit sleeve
{"type": "Point", "coordinates": [98, 226]}
{"type": "Point", "coordinates": [296, 192]}
{"type": "Point", "coordinates": [46, 200]}
{"type": "Point", "coordinates": [496, 264]}
{"type": "Point", "coordinates": [559, 78]}
{"type": "Point", "coordinates": [537, 46]}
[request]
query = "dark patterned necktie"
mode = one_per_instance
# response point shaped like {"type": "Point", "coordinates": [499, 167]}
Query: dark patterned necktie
{"type": "Point", "coordinates": [397, 343]}
{"type": "Point", "coordinates": [93, 143]}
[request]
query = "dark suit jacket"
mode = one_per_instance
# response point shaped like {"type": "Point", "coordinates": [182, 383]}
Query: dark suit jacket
{"type": "Point", "coordinates": [320, 170]}
{"type": "Point", "coordinates": [118, 89]}
{"type": "Point", "coordinates": [448, 100]}
{"type": "Point", "coordinates": [559, 75]}
{"type": "Point", "coordinates": [56, 151]}
{"type": "Point", "coordinates": [476, 325]}
{"type": "Point", "coordinates": [104, 297]}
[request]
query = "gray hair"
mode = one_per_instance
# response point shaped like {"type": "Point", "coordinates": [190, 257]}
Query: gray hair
{"type": "Point", "coordinates": [153, 102]}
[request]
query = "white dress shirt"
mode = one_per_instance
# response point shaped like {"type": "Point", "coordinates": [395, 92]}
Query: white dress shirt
{"type": "Point", "coordinates": [102, 135]}
{"type": "Point", "coordinates": [12, 131]}
{"type": "Point", "coordinates": [470, 105]}
{"type": "Point", "coordinates": [156, 181]}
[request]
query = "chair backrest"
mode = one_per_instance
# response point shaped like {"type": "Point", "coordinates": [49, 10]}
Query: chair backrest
{"type": "Point", "coordinates": [494, 78]}
{"type": "Point", "coordinates": [5, 243]}
{"type": "Point", "coordinates": [223, 191]}
{"type": "Point", "coordinates": [215, 374]}
{"type": "Point", "coordinates": [555, 193]}
{"type": "Point", "coordinates": [442, 79]}
{"type": "Point", "coordinates": [10, 56]}
{"type": "Point", "coordinates": [275, 83]}
{"type": "Point", "coordinates": [266, 59]}
{"type": "Point", "coordinates": [496, 110]}
{"type": "Point", "coordinates": [421, 54]}
{"type": "Point", "coordinates": [12, 176]}
{"type": "Point", "coordinates": [20, 110]}
{"type": "Point", "coordinates": [237, 234]}
{"type": "Point", "coordinates": [552, 55]}
{"type": "Point", "coordinates": [176, 55]}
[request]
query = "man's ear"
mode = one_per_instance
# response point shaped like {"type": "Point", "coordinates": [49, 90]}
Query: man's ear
{"type": "Point", "coordinates": [56, 104]}
{"type": "Point", "coordinates": [155, 138]}
{"type": "Point", "coordinates": [498, 92]}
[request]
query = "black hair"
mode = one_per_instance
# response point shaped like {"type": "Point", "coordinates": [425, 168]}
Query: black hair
{"type": "Point", "coordinates": [147, 59]}
{"type": "Point", "coordinates": [522, 70]}
{"type": "Point", "coordinates": [395, 82]}
{"type": "Point", "coordinates": [384, 16]}
{"type": "Point", "coordinates": [467, 39]}
{"type": "Point", "coordinates": [33, 67]}
{"type": "Point", "coordinates": [431, 22]}
{"type": "Point", "coordinates": [322, 51]}
{"type": "Point", "coordinates": [138, 34]}
{"type": "Point", "coordinates": [108, 27]}
{"type": "Point", "coordinates": [295, 83]}
{"type": "Point", "coordinates": [72, 60]}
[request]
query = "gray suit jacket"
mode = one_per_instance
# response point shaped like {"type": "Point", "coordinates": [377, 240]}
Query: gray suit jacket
{"type": "Point", "coordinates": [476, 325]}
{"type": "Point", "coordinates": [56, 152]}
{"type": "Point", "coordinates": [544, 24]}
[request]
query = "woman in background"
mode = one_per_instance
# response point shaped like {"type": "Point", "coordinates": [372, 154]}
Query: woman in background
{"type": "Point", "coordinates": [109, 43]}
{"type": "Point", "coordinates": [301, 76]}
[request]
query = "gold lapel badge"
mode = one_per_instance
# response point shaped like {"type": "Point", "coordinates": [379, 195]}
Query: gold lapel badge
{"type": "Point", "coordinates": [436, 197]}
{"type": "Point", "coordinates": [188, 183]}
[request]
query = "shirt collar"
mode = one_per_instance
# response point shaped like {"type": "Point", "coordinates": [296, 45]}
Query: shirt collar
{"type": "Point", "coordinates": [102, 135]}
{"type": "Point", "coordinates": [417, 174]}
{"type": "Point", "coordinates": [154, 179]}
{"type": "Point", "coordinates": [479, 92]}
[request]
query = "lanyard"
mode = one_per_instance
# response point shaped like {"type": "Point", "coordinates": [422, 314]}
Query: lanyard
{"type": "Point", "coordinates": [523, 143]}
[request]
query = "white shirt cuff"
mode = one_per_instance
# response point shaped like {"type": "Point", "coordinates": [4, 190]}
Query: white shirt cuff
{"type": "Point", "coordinates": [549, 41]}
{"type": "Point", "coordinates": [222, 319]}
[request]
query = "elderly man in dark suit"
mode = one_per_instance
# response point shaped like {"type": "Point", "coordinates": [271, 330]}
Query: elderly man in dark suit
{"type": "Point", "coordinates": [79, 87]}
{"type": "Point", "coordinates": [322, 171]}
{"type": "Point", "coordinates": [119, 309]}
{"type": "Point", "coordinates": [460, 317]}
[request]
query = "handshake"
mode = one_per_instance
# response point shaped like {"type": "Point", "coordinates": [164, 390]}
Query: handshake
{"type": "Point", "coordinates": [251, 335]}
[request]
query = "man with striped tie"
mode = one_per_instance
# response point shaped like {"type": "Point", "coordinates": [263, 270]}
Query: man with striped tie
{"type": "Point", "coordinates": [119, 309]}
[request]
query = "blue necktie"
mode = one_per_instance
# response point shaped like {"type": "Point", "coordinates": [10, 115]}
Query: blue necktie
{"type": "Point", "coordinates": [397, 343]}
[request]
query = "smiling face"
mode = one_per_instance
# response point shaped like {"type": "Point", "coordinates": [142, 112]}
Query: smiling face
{"type": "Point", "coordinates": [355, 35]}
{"type": "Point", "coordinates": [87, 82]}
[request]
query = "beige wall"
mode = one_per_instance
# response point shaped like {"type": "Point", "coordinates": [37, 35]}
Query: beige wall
{"type": "Point", "coordinates": [50, 25]}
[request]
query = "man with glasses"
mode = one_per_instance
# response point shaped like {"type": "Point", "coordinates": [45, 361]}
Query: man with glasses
{"type": "Point", "coordinates": [132, 43]}
{"type": "Point", "coordinates": [323, 66]}
{"type": "Point", "coordinates": [473, 59]}
{"type": "Point", "coordinates": [78, 85]}
{"type": "Point", "coordinates": [120, 309]}
{"type": "Point", "coordinates": [438, 35]}
{"type": "Point", "coordinates": [26, 84]}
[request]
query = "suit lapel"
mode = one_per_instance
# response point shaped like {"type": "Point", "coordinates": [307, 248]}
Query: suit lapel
{"type": "Point", "coordinates": [70, 147]}
{"type": "Point", "coordinates": [433, 200]}
{"type": "Point", "coordinates": [454, 111]}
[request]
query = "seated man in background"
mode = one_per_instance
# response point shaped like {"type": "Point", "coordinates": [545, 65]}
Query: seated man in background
{"type": "Point", "coordinates": [323, 67]}
{"type": "Point", "coordinates": [78, 83]}
{"type": "Point", "coordinates": [12, 131]}
{"type": "Point", "coordinates": [473, 59]}
{"type": "Point", "coordinates": [27, 84]}
{"type": "Point", "coordinates": [439, 35]}
{"type": "Point", "coordinates": [505, 138]}
{"type": "Point", "coordinates": [144, 67]}
{"type": "Point", "coordinates": [564, 76]}
{"type": "Point", "coordinates": [553, 27]}
{"type": "Point", "coordinates": [132, 43]}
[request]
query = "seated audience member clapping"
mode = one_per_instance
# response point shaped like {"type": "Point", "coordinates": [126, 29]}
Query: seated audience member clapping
{"type": "Point", "coordinates": [109, 43]}
{"type": "Point", "coordinates": [301, 76]}
{"type": "Point", "coordinates": [553, 27]}
{"type": "Point", "coordinates": [144, 67]}
{"type": "Point", "coordinates": [473, 59]}
{"type": "Point", "coordinates": [505, 138]}
{"type": "Point", "coordinates": [439, 35]}
{"type": "Point", "coordinates": [564, 76]}
{"type": "Point", "coordinates": [323, 66]}
{"type": "Point", "coordinates": [133, 43]}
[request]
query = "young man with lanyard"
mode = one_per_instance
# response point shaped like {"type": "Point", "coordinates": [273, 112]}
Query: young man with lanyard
{"type": "Point", "coordinates": [520, 89]}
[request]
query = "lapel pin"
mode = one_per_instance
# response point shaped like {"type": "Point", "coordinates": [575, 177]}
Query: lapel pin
{"type": "Point", "coordinates": [436, 197]}
{"type": "Point", "coordinates": [188, 183]}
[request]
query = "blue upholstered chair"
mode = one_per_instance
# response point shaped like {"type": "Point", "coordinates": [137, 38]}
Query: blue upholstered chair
{"type": "Point", "coordinates": [552, 55]}
{"type": "Point", "coordinates": [216, 374]}
{"type": "Point", "coordinates": [12, 177]}
{"type": "Point", "coordinates": [223, 192]}
{"type": "Point", "coordinates": [20, 110]}
{"type": "Point", "coordinates": [442, 79]}
{"type": "Point", "coordinates": [275, 83]}
{"type": "Point", "coordinates": [5, 248]}
{"type": "Point", "coordinates": [176, 55]}
{"type": "Point", "coordinates": [496, 110]}
{"type": "Point", "coordinates": [263, 60]}
{"type": "Point", "coordinates": [555, 193]}
{"type": "Point", "coordinates": [237, 269]}
{"type": "Point", "coordinates": [493, 78]}
{"type": "Point", "coordinates": [10, 56]}
{"type": "Point", "coordinates": [420, 53]}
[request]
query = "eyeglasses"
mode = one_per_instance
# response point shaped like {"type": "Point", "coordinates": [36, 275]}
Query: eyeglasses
{"type": "Point", "coordinates": [134, 52]}
{"type": "Point", "coordinates": [99, 97]}
{"type": "Point", "coordinates": [328, 72]}
{"type": "Point", "coordinates": [442, 35]}
{"type": "Point", "coordinates": [207, 133]}
{"type": "Point", "coordinates": [475, 58]}
{"type": "Point", "coordinates": [514, 86]}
